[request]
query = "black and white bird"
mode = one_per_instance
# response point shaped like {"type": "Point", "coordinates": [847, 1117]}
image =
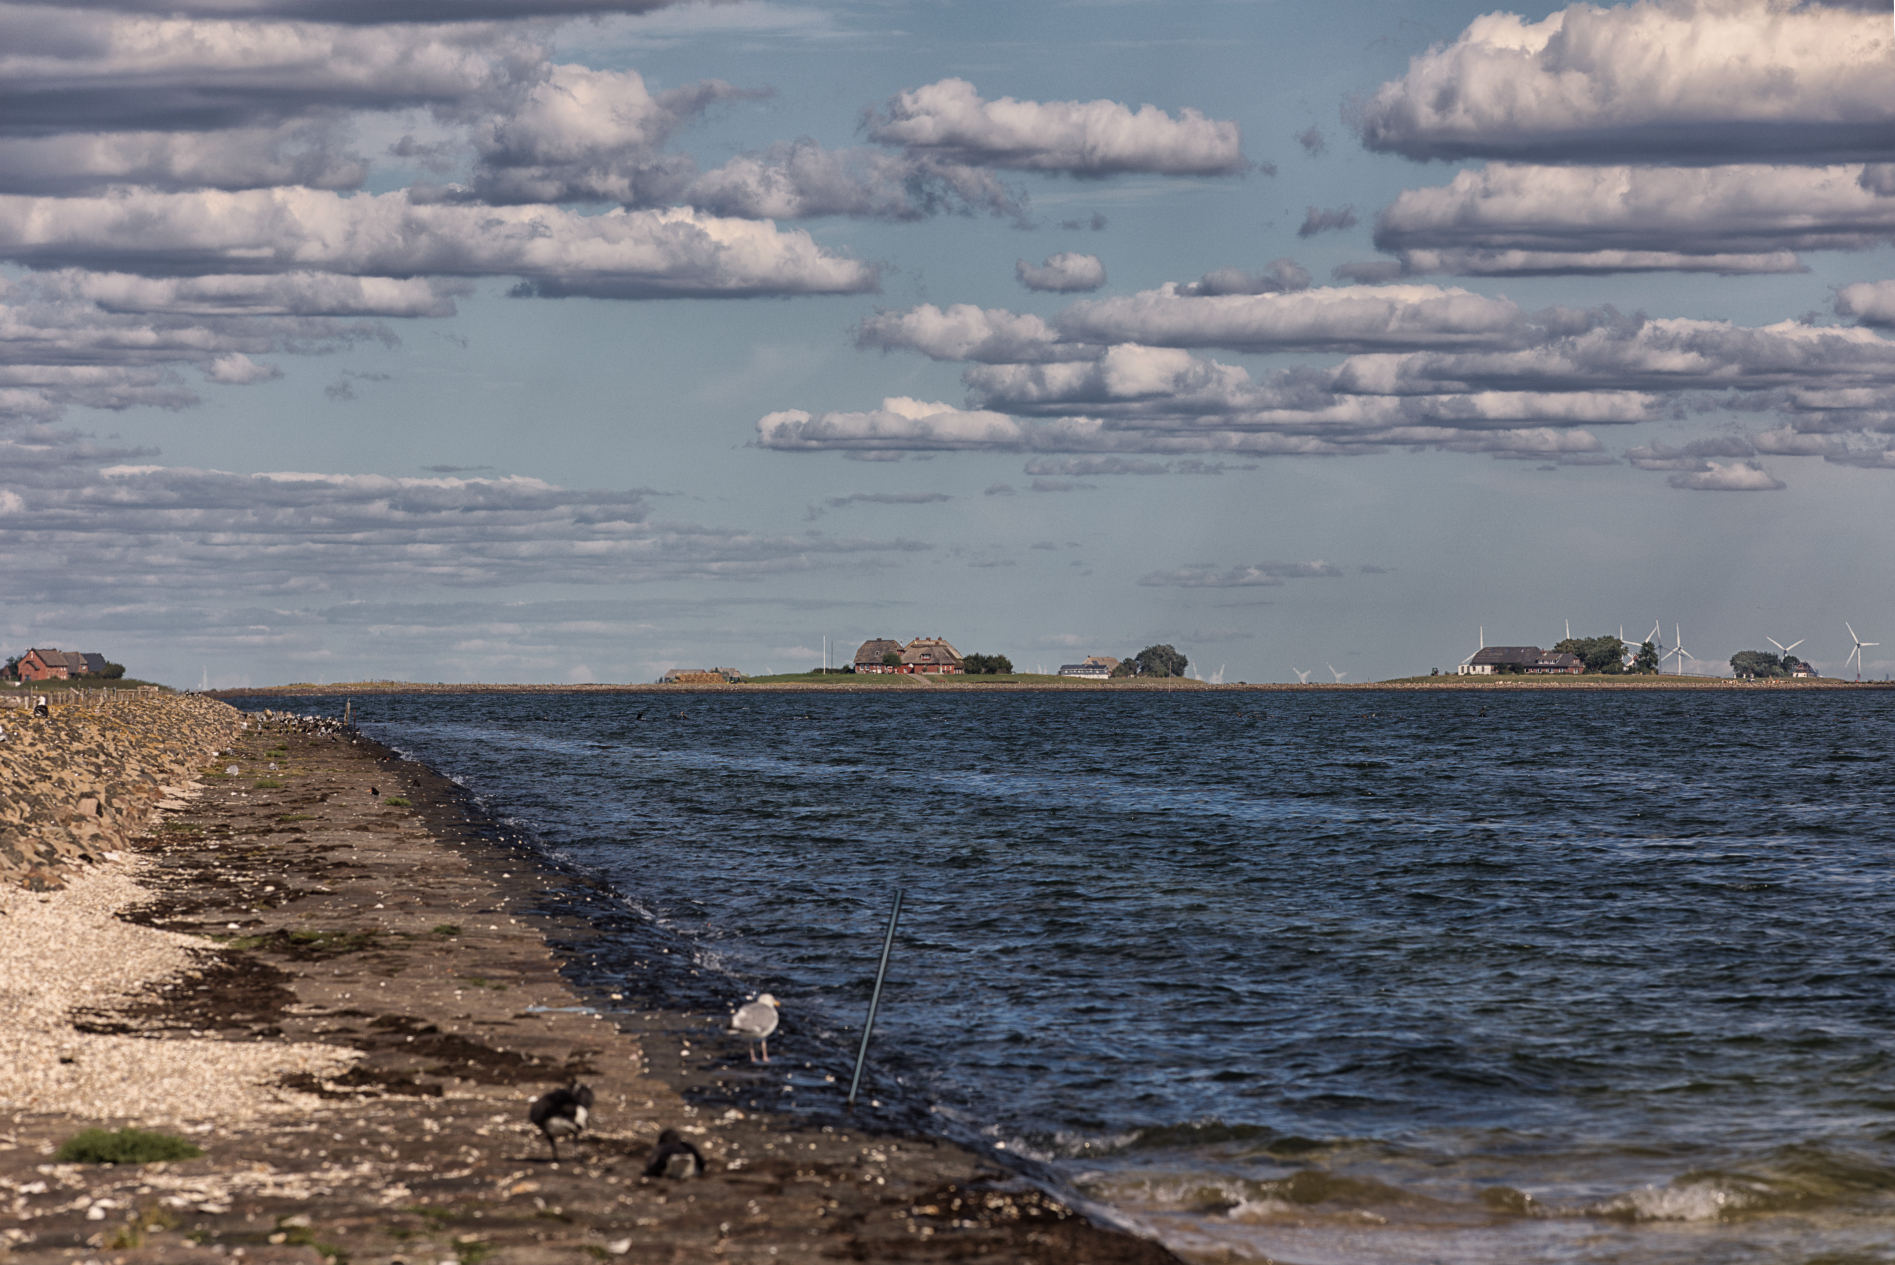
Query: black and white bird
{"type": "Point", "coordinates": [674, 1157]}
{"type": "Point", "coordinates": [561, 1114]}
{"type": "Point", "coordinates": [755, 1022]}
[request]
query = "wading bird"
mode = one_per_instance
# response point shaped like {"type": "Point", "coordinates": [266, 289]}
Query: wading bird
{"type": "Point", "coordinates": [561, 1114]}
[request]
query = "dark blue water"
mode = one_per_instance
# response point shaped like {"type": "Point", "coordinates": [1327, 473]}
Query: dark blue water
{"type": "Point", "coordinates": [1325, 976]}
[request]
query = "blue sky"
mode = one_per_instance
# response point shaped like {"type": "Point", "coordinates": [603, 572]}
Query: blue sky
{"type": "Point", "coordinates": [579, 341]}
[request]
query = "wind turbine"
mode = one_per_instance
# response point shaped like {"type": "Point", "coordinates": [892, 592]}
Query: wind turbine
{"type": "Point", "coordinates": [1783, 649]}
{"type": "Point", "coordinates": [1678, 651]}
{"type": "Point", "coordinates": [1340, 675]}
{"type": "Point", "coordinates": [1855, 654]}
{"type": "Point", "coordinates": [1302, 677]}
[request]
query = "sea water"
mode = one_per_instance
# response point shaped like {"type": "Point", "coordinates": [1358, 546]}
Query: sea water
{"type": "Point", "coordinates": [1315, 977]}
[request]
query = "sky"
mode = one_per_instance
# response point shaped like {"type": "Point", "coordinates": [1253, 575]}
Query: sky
{"type": "Point", "coordinates": [577, 340]}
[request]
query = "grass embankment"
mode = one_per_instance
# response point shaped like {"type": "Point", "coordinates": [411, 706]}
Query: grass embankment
{"type": "Point", "coordinates": [14, 689]}
{"type": "Point", "coordinates": [910, 679]}
{"type": "Point", "coordinates": [1603, 681]}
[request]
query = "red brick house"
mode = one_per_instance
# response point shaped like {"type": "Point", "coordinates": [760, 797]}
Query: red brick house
{"type": "Point", "coordinates": [59, 665]}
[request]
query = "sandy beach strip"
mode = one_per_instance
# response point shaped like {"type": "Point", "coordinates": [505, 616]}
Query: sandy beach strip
{"type": "Point", "coordinates": [346, 1000]}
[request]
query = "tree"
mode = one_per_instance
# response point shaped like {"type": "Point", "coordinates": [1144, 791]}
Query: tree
{"type": "Point", "coordinates": [974, 664]}
{"type": "Point", "coordinates": [12, 671]}
{"type": "Point", "coordinates": [1599, 654]}
{"type": "Point", "coordinates": [1757, 663]}
{"type": "Point", "coordinates": [113, 671]}
{"type": "Point", "coordinates": [891, 658]}
{"type": "Point", "coordinates": [1126, 667]}
{"type": "Point", "coordinates": [1647, 660]}
{"type": "Point", "coordinates": [999, 663]}
{"type": "Point", "coordinates": [1159, 661]}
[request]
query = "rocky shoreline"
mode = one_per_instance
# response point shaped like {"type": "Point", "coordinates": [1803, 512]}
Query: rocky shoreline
{"type": "Point", "coordinates": [333, 974]}
{"type": "Point", "coordinates": [83, 781]}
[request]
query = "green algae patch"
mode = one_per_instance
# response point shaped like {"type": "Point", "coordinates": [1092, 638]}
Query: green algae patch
{"type": "Point", "coordinates": [124, 1146]}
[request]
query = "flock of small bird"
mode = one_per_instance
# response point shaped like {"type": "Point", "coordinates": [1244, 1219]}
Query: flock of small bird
{"type": "Point", "coordinates": [565, 1112]}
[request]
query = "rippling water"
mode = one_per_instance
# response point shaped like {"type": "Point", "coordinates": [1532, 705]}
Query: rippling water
{"type": "Point", "coordinates": [1327, 977]}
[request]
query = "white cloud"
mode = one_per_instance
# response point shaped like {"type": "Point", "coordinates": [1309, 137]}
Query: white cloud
{"type": "Point", "coordinates": [1871, 302]}
{"type": "Point", "coordinates": [583, 135]}
{"type": "Point", "coordinates": [900, 423]}
{"type": "Point", "coordinates": [1690, 81]}
{"type": "Point", "coordinates": [281, 294]}
{"type": "Point", "coordinates": [376, 11]}
{"type": "Point", "coordinates": [966, 332]}
{"type": "Point", "coordinates": [66, 70]}
{"type": "Point", "coordinates": [1508, 219]}
{"type": "Point", "coordinates": [1095, 138]}
{"type": "Point", "coordinates": [1064, 273]}
{"type": "Point", "coordinates": [620, 254]}
{"type": "Point", "coordinates": [114, 340]}
{"type": "Point", "coordinates": [1087, 467]}
{"type": "Point", "coordinates": [1326, 220]}
{"type": "Point", "coordinates": [303, 153]}
{"type": "Point", "coordinates": [236, 369]}
{"type": "Point", "coordinates": [802, 180]}
{"type": "Point", "coordinates": [1350, 318]}
{"type": "Point", "coordinates": [1261, 575]}
{"type": "Point", "coordinates": [1277, 276]}
{"type": "Point", "coordinates": [1739, 476]}
{"type": "Point", "coordinates": [88, 533]}
{"type": "Point", "coordinates": [1671, 354]}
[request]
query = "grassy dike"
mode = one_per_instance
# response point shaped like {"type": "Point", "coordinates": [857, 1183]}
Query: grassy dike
{"type": "Point", "coordinates": [1023, 682]}
{"type": "Point", "coordinates": [330, 973]}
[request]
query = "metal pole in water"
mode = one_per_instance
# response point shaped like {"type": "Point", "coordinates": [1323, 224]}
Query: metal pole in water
{"type": "Point", "coordinates": [875, 999]}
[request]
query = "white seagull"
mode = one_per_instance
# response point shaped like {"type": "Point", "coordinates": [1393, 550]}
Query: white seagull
{"type": "Point", "coordinates": [756, 1021]}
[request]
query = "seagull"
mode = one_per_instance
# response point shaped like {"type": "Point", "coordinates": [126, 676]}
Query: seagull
{"type": "Point", "coordinates": [756, 1021]}
{"type": "Point", "coordinates": [561, 1114]}
{"type": "Point", "coordinates": [674, 1157]}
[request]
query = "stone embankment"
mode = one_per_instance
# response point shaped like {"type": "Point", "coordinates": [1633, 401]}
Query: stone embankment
{"type": "Point", "coordinates": [85, 779]}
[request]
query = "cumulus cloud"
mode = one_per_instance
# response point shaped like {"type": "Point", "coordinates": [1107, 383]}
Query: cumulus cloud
{"type": "Point", "coordinates": [1063, 273]}
{"type": "Point", "coordinates": [802, 180]}
{"type": "Point", "coordinates": [228, 295]}
{"type": "Point", "coordinates": [966, 332]}
{"type": "Point", "coordinates": [301, 153]}
{"type": "Point", "coordinates": [236, 369]}
{"type": "Point", "coordinates": [900, 422]}
{"type": "Point", "coordinates": [1871, 302]}
{"type": "Point", "coordinates": [1312, 140]}
{"type": "Point", "coordinates": [1261, 575]}
{"type": "Point", "coordinates": [584, 135]}
{"type": "Point", "coordinates": [1508, 219]}
{"type": "Point", "coordinates": [1277, 277]}
{"type": "Point", "coordinates": [1671, 81]}
{"type": "Point", "coordinates": [1326, 220]}
{"type": "Point", "coordinates": [950, 119]}
{"type": "Point", "coordinates": [1355, 318]}
{"type": "Point", "coordinates": [620, 254]}
{"type": "Point", "coordinates": [1739, 476]}
{"type": "Point", "coordinates": [69, 71]}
